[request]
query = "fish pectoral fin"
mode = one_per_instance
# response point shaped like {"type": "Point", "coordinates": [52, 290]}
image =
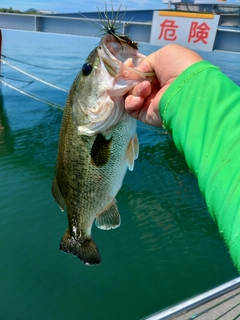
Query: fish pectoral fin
{"type": "Point", "coordinates": [85, 249]}
{"type": "Point", "coordinates": [109, 219]}
{"type": "Point", "coordinates": [132, 152]}
{"type": "Point", "coordinates": [101, 150]}
{"type": "Point", "coordinates": [57, 195]}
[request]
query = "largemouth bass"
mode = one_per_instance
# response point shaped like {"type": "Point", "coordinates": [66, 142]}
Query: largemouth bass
{"type": "Point", "coordinates": [97, 144]}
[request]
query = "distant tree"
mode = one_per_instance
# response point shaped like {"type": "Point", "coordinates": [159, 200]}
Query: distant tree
{"type": "Point", "coordinates": [10, 10]}
{"type": "Point", "coordinates": [31, 11]}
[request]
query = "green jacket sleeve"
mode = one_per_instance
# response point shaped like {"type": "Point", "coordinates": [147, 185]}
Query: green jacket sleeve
{"type": "Point", "coordinates": [201, 110]}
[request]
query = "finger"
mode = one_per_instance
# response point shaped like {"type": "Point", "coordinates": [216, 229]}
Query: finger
{"type": "Point", "coordinates": [142, 89]}
{"type": "Point", "coordinates": [133, 104]}
{"type": "Point", "coordinates": [148, 64]}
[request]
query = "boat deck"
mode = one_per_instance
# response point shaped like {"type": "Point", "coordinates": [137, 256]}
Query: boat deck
{"type": "Point", "coordinates": [222, 302]}
{"type": "Point", "coordinates": [226, 307]}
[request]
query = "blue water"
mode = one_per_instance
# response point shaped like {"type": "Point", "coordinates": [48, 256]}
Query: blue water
{"type": "Point", "coordinates": [167, 248]}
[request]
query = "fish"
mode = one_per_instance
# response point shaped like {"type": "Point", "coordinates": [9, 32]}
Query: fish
{"type": "Point", "coordinates": [97, 143]}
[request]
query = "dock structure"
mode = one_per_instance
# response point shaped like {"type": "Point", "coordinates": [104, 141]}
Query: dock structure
{"type": "Point", "coordinates": [86, 25]}
{"type": "Point", "coordinates": [207, 26]}
{"type": "Point", "coordinates": [222, 302]}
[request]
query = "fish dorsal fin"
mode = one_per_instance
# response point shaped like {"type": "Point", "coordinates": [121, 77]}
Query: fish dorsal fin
{"type": "Point", "coordinates": [57, 195]}
{"type": "Point", "coordinates": [101, 149]}
{"type": "Point", "coordinates": [109, 219]}
{"type": "Point", "coordinates": [132, 152]}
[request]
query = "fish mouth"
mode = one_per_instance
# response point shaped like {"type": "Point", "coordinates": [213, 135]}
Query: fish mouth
{"type": "Point", "coordinates": [122, 59]}
{"type": "Point", "coordinates": [114, 52]}
{"type": "Point", "coordinates": [114, 47]}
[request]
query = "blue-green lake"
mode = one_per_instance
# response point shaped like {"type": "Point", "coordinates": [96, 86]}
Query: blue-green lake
{"type": "Point", "coordinates": [167, 248]}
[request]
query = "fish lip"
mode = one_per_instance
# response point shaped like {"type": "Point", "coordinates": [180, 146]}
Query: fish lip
{"type": "Point", "coordinates": [112, 64]}
{"type": "Point", "coordinates": [108, 38]}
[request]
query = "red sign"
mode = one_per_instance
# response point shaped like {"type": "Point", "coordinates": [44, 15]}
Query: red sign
{"type": "Point", "coordinates": [199, 32]}
{"type": "Point", "coordinates": [168, 30]}
{"type": "Point", "coordinates": [196, 31]}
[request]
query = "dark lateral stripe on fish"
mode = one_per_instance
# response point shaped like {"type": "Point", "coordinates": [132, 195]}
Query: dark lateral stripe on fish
{"type": "Point", "coordinates": [101, 149]}
{"type": "Point", "coordinates": [86, 250]}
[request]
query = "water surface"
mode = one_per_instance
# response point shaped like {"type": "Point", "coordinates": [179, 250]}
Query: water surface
{"type": "Point", "coordinates": [167, 248]}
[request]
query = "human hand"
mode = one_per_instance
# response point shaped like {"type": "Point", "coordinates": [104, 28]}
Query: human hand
{"type": "Point", "coordinates": [167, 63]}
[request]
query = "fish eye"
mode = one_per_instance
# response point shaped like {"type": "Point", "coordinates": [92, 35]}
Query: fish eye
{"type": "Point", "coordinates": [86, 68]}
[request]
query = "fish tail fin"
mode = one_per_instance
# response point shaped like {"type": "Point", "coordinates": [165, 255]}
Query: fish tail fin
{"type": "Point", "coordinates": [85, 249]}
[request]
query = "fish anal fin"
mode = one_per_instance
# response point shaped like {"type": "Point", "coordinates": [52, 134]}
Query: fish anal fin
{"type": "Point", "coordinates": [109, 219]}
{"type": "Point", "coordinates": [57, 195]}
{"type": "Point", "coordinates": [101, 149]}
{"type": "Point", "coordinates": [132, 152]}
{"type": "Point", "coordinates": [85, 249]}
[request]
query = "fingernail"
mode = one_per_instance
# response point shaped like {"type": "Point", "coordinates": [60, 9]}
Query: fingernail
{"type": "Point", "coordinates": [136, 99]}
{"type": "Point", "coordinates": [138, 89]}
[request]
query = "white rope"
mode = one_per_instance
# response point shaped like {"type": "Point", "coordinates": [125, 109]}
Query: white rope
{"type": "Point", "coordinates": [37, 65]}
{"type": "Point", "coordinates": [49, 103]}
{"type": "Point", "coordinates": [31, 76]}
